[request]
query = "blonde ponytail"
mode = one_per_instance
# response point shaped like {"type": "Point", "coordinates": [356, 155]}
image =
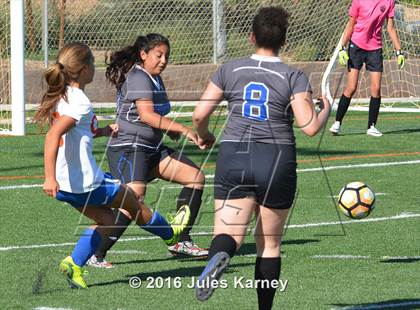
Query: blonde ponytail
{"type": "Point", "coordinates": [71, 60]}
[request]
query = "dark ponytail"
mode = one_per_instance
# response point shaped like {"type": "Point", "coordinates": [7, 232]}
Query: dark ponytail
{"type": "Point", "coordinates": [121, 61]}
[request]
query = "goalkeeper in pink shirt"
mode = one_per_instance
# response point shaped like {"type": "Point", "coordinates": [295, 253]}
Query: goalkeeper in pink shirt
{"type": "Point", "coordinates": [364, 35]}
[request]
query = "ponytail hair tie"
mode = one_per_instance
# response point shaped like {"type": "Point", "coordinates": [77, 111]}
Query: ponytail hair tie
{"type": "Point", "coordinates": [60, 65]}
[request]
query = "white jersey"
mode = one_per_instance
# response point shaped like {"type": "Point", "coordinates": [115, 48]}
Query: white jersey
{"type": "Point", "coordinates": [76, 168]}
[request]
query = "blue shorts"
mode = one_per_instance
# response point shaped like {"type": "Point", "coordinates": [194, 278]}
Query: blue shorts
{"type": "Point", "coordinates": [101, 196]}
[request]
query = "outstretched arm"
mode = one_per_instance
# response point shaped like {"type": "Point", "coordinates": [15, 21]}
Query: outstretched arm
{"type": "Point", "coordinates": [210, 99]}
{"type": "Point", "coordinates": [150, 117]}
{"type": "Point", "coordinates": [107, 131]}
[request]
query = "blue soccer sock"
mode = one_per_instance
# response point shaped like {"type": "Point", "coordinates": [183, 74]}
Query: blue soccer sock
{"type": "Point", "coordinates": [86, 246]}
{"type": "Point", "coordinates": [159, 226]}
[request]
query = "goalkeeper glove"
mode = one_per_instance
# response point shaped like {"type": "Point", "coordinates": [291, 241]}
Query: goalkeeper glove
{"type": "Point", "coordinates": [343, 56]}
{"type": "Point", "coordinates": [400, 59]}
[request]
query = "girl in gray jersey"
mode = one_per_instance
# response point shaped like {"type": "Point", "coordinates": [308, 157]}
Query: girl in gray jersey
{"type": "Point", "coordinates": [256, 164]}
{"type": "Point", "coordinates": [137, 155]}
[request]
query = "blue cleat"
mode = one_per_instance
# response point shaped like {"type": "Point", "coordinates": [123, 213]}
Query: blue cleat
{"type": "Point", "coordinates": [208, 281]}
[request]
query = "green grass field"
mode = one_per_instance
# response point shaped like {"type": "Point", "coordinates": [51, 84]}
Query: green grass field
{"type": "Point", "coordinates": [365, 264]}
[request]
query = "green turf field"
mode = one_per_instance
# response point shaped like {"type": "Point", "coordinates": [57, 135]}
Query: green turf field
{"type": "Point", "coordinates": [372, 264]}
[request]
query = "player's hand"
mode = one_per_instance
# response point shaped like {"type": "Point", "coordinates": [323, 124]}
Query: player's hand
{"type": "Point", "coordinates": [207, 141]}
{"type": "Point", "coordinates": [191, 136]}
{"type": "Point", "coordinates": [343, 57]}
{"type": "Point", "coordinates": [51, 187]}
{"type": "Point", "coordinates": [173, 135]}
{"type": "Point", "coordinates": [325, 103]}
{"type": "Point", "coordinates": [400, 59]}
{"type": "Point", "coordinates": [112, 130]}
{"type": "Point", "coordinates": [107, 131]}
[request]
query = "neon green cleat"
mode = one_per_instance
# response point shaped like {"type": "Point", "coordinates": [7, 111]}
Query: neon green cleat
{"type": "Point", "coordinates": [73, 273]}
{"type": "Point", "coordinates": [178, 224]}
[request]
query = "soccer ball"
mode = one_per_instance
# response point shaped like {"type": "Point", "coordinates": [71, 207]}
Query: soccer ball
{"type": "Point", "coordinates": [356, 200]}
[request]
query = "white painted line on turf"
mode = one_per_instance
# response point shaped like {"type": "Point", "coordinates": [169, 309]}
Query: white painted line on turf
{"type": "Point", "coordinates": [20, 186]}
{"type": "Point", "coordinates": [36, 246]}
{"type": "Point", "coordinates": [327, 168]}
{"type": "Point", "coordinates": [401, 257]}
{"type": "Point", "coordinates": [341, 256]}
{"type": "Point", "coordinates": [397, 305]}
{"type": "Point", "coordinates": [379, 219]}
{"type": "Point", "coordinates": [127, 252]}
{"type": "Point", "coordinates": [50, 308]}
{"type": "Point", "coordinates": [372, 165]}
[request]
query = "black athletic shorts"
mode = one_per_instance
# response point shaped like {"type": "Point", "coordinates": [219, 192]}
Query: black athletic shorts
{"type": "Point", "coordinates": [264, 171]}
{"type": "Point", "coordinates": [372, 59]}
{"type": "Point", "coordinates": [136, 163]}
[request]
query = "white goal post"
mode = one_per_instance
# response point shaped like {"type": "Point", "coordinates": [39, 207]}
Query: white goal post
{"type": "Point", "coordinates": [17, 71]}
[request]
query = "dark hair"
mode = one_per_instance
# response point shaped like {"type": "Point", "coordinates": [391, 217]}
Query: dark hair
{"type": "Point", "coordinates": [71, 60]}
{"type": "Point", "coordinates": [121, 61]}
{"type": "Point", "coordinates": [270, 27]}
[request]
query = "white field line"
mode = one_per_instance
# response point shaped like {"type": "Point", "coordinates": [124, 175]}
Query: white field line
{"type": "Point", "coordinates": [327, 168]}
{"type": "Point", "coordinates": [347, 256]}
{"type": "Point", "coordinates": [400, 257]}
{"type": "Point", "coordinates": [128, 252]}
{"type": "Point", "coordinates": [340, 256]}
{"type": "Point", "coordinates": [379, 219]}
{"type": "Point", "coordinates": [51, 308]}
{"type": "Point", "coordinates": [371, 165]}
{"type": "Point", "coordinates": [20, 186]}
{"type": "Point", "coordinates": [396, 305]}
{"type": "Point", "coordinates": [194, 103]}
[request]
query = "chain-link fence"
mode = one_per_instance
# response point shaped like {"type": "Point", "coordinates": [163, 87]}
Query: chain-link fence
{"type": "Point", "coordinates": [5, 114]}
{"type": "Point", "coordinates": [194, 27]}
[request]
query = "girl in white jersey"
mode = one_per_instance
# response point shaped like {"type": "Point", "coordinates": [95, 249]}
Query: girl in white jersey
{"type": "Point", "coordinates": [256, 164]}
{"type": "Point", "coordinates": [71, 172]}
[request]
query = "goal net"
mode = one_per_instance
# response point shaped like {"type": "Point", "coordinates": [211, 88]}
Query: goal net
{"type": "Point", "coordinates": [400, 88]}
{"type": "Point", "coordinates": [203, 34]}
{"type": "Point", "coordinates": [5, 113]}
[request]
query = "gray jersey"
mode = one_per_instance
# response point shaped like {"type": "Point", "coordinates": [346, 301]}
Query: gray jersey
{"type": "Point", "coordinates": [139, 85]}
{"type": "Point", "coordinates": [258, 90]}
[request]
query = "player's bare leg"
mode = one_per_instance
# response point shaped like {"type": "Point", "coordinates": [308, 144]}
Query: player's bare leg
{"type": "Point", "coordinates": [178, 169]}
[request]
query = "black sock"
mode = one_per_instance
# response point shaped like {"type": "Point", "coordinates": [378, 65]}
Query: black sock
{"type": "Point", "coordinates": [266, 268]}
{"type": "Point", "coordinates": [374, 105]}
{"type": "Point", "coordinates": [222, 243]}
{"type": "Point", "coordinates": [121, 225]}
{"type": "Point", "coordinates": [192, 198]}
{"type": "Point", "coordinates": [343, 105]}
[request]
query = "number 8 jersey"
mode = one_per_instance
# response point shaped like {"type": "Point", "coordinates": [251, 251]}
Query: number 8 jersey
{"type": "Point", "coordinates": [258, 90]}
